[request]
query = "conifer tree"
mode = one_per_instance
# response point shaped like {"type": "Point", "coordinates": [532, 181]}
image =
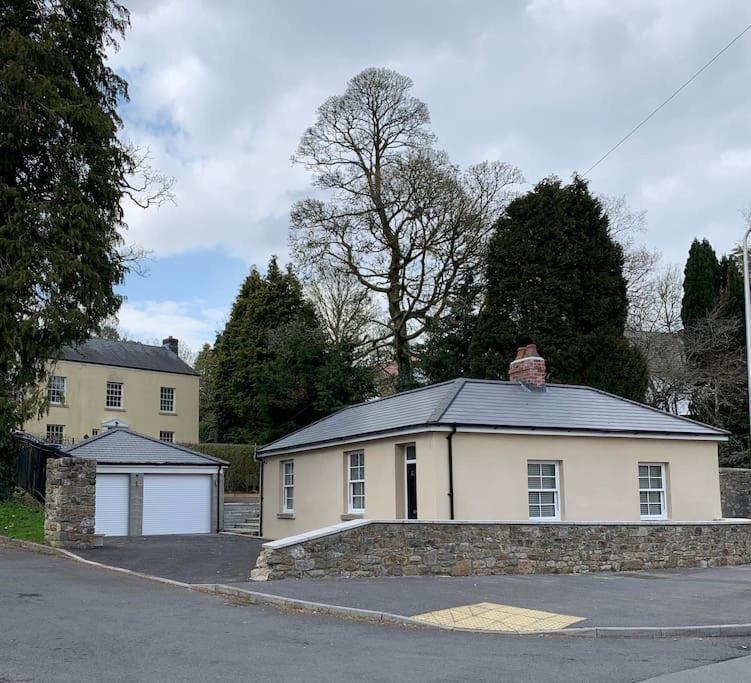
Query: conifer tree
{"type": "Point", "coordinates": [701, 282]}
{"type": "Point", "coordinates": [273, 370]}
{"type": "Point", "coordinates": [555, 277]}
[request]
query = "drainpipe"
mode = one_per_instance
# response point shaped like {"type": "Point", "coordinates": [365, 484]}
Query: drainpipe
{"type": "Point", "coordinates": [450, 439]}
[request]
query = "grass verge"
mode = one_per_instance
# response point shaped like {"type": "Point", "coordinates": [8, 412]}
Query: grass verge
{"type": "Point", "coordinates": [19, 519]}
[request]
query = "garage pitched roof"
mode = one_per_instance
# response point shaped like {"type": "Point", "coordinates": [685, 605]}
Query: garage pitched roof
{"type": "Point", "coordinates": [124, 447]}
{"type": "Point", "coordinates": [127, 354]}
{"type": "Point", "coordinates": [495, 405]}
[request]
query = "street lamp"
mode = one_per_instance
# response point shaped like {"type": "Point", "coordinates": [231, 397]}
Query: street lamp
{"type": "Point", "coordinates": [747, 301]}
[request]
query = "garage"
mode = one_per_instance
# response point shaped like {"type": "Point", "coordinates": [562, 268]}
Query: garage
{"type": "Point", "coordinates": [112, 504]}
{"type": "Point", "coordinates": [176, 504]}
{"type": "Point", "coordinates": [146, 487]}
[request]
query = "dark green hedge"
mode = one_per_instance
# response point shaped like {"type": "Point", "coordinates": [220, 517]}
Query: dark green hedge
{"type": "Point", "coordinates": [242, 473]}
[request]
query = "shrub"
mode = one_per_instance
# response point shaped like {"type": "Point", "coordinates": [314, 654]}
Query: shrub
{"type": "Point", "coordinates": [242, 473]}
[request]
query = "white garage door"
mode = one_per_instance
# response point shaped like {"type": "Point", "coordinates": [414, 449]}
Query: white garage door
{"type": "Point", "coordinates": [111, 517]}
{"type": "Point", "coordinates": [176, 504]}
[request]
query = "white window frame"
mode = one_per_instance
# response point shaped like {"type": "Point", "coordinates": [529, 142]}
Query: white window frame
{"type": "Point", "coordinates": [352, 482]}
{"type": "Point", "coordinates": [556, 491]}
{"type": "Point", "coordinates": [288, 486]}
{"type": "Point", "coordinates": [107, 395]}
{"type": "Point", "coordinates": [55, 438]}
{"type": "Point", "coordinates": [59, 390]}
{"type": "Point", "coordinates": [163, 432]}
{"type": "Point", "coordinates": [662, 490]}
{"type": "Point", "coordinates": [168, 400]}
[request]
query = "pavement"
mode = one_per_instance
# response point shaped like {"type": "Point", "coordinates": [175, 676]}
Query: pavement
{"type": "Point", "coordinates": [511, 604]}
{"type": "Point", "coordinates": [687, 597]}
{"type": "Point", "coordinates": [197, 558]}
{"type": "Point", "coordinates": [62, 620]}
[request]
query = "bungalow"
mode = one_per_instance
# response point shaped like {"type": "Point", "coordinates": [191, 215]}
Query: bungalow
{"type": "Point", "coordinates": [489, 450]}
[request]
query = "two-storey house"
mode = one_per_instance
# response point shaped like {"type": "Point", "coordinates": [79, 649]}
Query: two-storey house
{"type": "Point", "coordinates": [102, 384]}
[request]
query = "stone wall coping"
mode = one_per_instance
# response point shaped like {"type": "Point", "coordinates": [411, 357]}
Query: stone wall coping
{"type": "Point", "coordinates": [735, 469]}
{"type": "Point", "coordinates": [354, 524]}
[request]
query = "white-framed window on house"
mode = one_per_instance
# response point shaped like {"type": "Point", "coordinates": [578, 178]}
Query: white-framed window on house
{"type": "Point", "coordinates": [167, 400]}
{"type": "Point", "coordinates": [55, 433]}
{"type": "Point", "coordinates": [288, 486]}
{"type": "Point", "coordinates": [543, 490]}
{"type": "Point", "coordinates": [652, 504]}
{"type": "Point", "coordinates": [167, 437]}
{"type": "Point", "coordinates": [114, 396]}
{"type": "Point", "coordinates": [356, 481]}
{"type": "Point", "coordinates": [56, 390]}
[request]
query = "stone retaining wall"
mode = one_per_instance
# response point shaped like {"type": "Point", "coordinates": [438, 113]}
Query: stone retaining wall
{"type": "Point", "coordinates": [735, 491]}
{"type": "Point", "coordinates": [407, 548]}
{"type": "Point", "coordinates": [69, 504]}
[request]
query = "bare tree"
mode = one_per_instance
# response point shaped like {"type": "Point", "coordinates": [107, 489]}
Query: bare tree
{"type": "Point", "coordinates": [656, 328]}
{"type": "Point", "coordinates": [639, 261]}
{"type": "Point", "coordinates": [345, 308]}
{"type": "Point", "coordinates": [396, 214]}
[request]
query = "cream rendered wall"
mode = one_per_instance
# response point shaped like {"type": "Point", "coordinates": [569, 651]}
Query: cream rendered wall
{"type": "Point", "coordinates": [599, 476]}
{"type": "Point", "coordinates": [85, 409]}
{"type": "Point", "coordinates": [321, 484]}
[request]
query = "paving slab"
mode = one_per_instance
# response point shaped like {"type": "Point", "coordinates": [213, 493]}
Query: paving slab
{"type": "Point", "coordinates": [192, 558]}
{"type": "Point", "coordinates": [687, 597]}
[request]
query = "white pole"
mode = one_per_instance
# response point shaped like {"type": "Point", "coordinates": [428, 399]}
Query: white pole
{"type": "Point", "coordinates": [747, 301]}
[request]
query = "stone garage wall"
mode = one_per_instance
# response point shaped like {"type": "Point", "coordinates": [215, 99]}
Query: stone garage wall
{"type": "Point", "coordinates": [69, 504]}
{"type": "Point", "coordinates": [409, 548]}
{"type": "Point", "coordinates": [735, 491]}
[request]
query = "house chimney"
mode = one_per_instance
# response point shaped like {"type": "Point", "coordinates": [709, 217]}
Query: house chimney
{"type": "Point", "coordinates": [172, 344]}
{"type": "Point", "coordinates": [528, 367]}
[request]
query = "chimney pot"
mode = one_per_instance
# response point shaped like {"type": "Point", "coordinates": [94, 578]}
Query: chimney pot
{"type": "Point", "coordinates": [172, 344]}
{"type": "Point", "coordinates": [528, 368]}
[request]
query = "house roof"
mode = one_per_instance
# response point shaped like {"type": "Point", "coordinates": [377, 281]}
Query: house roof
{"type": "Point", "coordinates": [124, 447]}
{"type": "Point", "coordinates": [127, 354]}
{"type": "Point", "coordinates": [495, 405]}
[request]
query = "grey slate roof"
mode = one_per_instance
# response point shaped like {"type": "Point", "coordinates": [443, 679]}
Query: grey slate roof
{"type": "Point", "coordinates": [123, 446]}
{"type": "Point", "coordinates": [502, 405]}
{"type": "Point", "coordinates": [126, 354]}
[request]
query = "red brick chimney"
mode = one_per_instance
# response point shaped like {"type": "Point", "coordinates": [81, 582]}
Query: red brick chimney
{"type": "Point", "coordinates": [528, 367]}
{"type": "Point", "coordinates": [172, 344]}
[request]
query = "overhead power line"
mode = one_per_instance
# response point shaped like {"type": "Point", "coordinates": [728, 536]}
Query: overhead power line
{"type": "Point", "coordinates": [672, 96]}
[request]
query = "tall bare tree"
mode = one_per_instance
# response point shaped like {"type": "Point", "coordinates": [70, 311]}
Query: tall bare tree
{"type": "Point", "coordinates": [345, 308]}
{"type": "Point", "coordinates": [393, 211]}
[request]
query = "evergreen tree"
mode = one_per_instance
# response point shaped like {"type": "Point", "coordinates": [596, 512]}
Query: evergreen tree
{"type": "Point", "coordinates": [273, 371]}
{"type": "Point", "coordinates": [701, 282]}
{"type": "Point", "coordinates": [445, 354]}
{"type": "Point", "coordinates": [555, 278]}
{"type": "Point", "coordinates": [205, 367]}
{"type": "Point", "coordinates": [62, 176]}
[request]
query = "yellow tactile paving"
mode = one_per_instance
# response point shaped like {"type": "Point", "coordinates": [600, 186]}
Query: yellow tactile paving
{"type": "Point", "coordinates": [489, 616]}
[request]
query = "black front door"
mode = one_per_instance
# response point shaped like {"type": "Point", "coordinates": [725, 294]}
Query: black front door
{"type": "Point", "coordinates": [411, 490]}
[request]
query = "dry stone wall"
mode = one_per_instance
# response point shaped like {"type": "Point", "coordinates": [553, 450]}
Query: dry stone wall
{"type": "Point", "coordinates": [735, 491]}
{"type": "Point", "coordinates": [406, 548]}
{"type": "Point", "coordinates": [69, 504]}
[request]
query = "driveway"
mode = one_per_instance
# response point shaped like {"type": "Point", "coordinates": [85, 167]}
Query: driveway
{"type": "Point", "coordinates": [64, 621]}
{"type": "Point", "coordinates": [195, 558]}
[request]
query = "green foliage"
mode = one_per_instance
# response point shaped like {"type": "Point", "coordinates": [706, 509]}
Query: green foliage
{"type": "Point", "coordinates": [445, 355]}
{"type": "Point", "coordinates": [273, 369]}
{"type": "Point", "coordinates": [242, 473]}
{"type": "Point", "coordinates": [62, 170]}
{"type": "Point", "coordinates": [555, 278]}
{"type": "Point", "coordinates": [204, 366]}
{"type": "Point", "coordinates": [701, 282]}
{"type": "Point", "coordinates": [20, 518]}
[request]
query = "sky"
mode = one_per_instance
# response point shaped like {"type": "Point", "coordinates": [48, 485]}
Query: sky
{"type": "Point", "coordinates": [221, 92]}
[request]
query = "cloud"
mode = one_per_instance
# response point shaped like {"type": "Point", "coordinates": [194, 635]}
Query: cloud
{"type": "Point", "coordinates": [190, 321]}
{"type": "Point", "coordinates": [222, 92]}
